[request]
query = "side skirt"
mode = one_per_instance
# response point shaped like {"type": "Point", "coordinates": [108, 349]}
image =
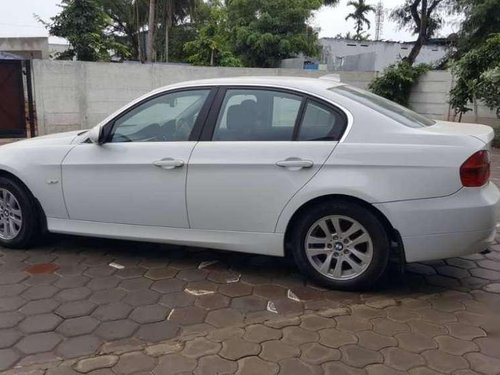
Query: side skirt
{"type": "Point", "coordinates": [245, 242]}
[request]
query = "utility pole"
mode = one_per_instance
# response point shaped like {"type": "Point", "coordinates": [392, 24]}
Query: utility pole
{"type": "Point", "coordinates": [379, 20]}
{"type": "Point", "coordinates": [151, 26]}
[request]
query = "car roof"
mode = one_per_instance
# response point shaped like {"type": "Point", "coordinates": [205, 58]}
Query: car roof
{"type": "Point", "coordinates": [314, 85]}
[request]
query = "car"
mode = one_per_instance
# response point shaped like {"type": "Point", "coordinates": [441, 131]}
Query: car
{"type": "Point", "coordinates": [336, 177]}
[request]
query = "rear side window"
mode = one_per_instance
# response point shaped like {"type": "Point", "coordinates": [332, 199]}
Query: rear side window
{"type": "Point", "coordinates": [384, 106]}
{"type": "Point", "coordinates": [257, 115]}
{"type": "Point", "coordinates": [320, 123]}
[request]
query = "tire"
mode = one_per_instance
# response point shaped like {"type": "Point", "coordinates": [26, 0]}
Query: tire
{"type": "Point", "coordinates": [15, 199]}
{"type": "Point", "coordinates": [363, 254]}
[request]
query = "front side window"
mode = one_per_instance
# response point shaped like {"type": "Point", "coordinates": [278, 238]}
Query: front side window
{"type": "Point", "coordinates": [257, 115]}
{"type": "Point", "coordinates": [166, 118]}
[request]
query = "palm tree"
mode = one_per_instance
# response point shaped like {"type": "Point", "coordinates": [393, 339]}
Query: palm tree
{"type": "Point", "coordinates": [361, 10]}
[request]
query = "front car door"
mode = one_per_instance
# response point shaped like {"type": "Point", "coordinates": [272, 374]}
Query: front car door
{"type": "Point", "coordinates": [138, 175]}
{"type": "Point", "coordinates": [260, 146]}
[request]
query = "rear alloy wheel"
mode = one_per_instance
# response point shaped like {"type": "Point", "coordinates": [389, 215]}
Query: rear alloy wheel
{"type": "Point", "coordinates": [19, 222]}
{"type": "Point", "coordinates": [341, 245]}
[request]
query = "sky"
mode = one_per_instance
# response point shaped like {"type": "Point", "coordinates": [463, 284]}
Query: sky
{"type": "Point", "coordinates": [17, 19]}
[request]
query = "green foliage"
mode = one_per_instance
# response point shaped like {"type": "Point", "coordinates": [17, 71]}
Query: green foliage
{"type": "Point", "coordinates": [263, 32]}
{"type": "Point", "coordinates": [361, 10]}
{"type": "Point", "coordinates": [87, 28]}
{"type": "Point", "coordinates": [212, 44]}
{"type": "Point", "coordinates": [481, 19]}
{"type": "Point", "coordinates": [397, 80]}
{"type": "Point", "coordinates": [477, 75]}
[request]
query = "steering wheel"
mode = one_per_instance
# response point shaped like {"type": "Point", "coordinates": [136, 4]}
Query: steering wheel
{"type": "Point", "coordinates": [182, 128]}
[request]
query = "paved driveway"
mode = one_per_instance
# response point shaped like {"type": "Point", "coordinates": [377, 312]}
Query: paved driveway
{"type": "Point", "coordinates": [77, 305]}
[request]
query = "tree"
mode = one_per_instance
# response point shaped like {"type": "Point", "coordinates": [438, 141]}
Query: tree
{"type": "Point", "coordinates": [263, 32]}
{"type": "Point", "coordinates": [423, 18]}
{"type": "Point", "coordinates": [361, 10]}
{"type": "Point", "coordinates": [87, 28]}
{"type": "Point", "coordinates": [477, 75]}
{"type": "Point", "coordinates": [212, 44]}
{"type": "Point", "coordinates": [481, 20]}
{"type": "Point", "coordinates": [151, 30]}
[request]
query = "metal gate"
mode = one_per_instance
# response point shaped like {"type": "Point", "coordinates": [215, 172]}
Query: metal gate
{"type": "Point", "coordinates": [12, 103]}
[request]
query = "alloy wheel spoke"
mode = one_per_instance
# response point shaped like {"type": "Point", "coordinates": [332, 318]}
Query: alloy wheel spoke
{"type": "Point", "coordinates": [317, 240]}
{"type": "Point", "coordinates": [324, 228]}
{"type": "Point", "coordinates": [361, 256]}
{"type": "Point", "coordinates": [361, 239]}
{"type": "Point", "coordinates": [325, 267]}
{"type": "Point", "coordinates": [356, 267]}
{"type": "Point", "coordinates": [337, 271]}
{"type": "Point", "coordinates": [315, 252]}
{"type": "Point", "coordinates": [355, 227]}
{"type": "Point", "coordinates": [336, 224]}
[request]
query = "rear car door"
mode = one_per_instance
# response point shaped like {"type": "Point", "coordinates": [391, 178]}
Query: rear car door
{"type": "Point", "coordinates": [258, 148]}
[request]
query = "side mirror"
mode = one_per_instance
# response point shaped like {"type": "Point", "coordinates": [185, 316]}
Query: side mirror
{"type": "Point", "coordinates": [95, 135]}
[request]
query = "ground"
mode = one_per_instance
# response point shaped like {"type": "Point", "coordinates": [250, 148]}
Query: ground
{"type": "Point", "coordinates": [100, 307]}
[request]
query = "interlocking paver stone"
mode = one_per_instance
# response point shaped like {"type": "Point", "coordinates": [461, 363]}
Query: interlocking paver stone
{"type": "Point", "coordinates": [78, 326]}
{"type": "Point", "coordinates": [112, 311]}
{"type": "Point", "coordinates": [40, 323]}
{"type": "Point", "coordinates": [10, 319]}
{"type": "Point", "coordinates": [256, 366]}
{"type": "Point", "coordinates": [237, 348]}
{"type": "Point", "coordinates": [39, 343]}
{"type": "Point", "coordinates": [141, 297]}
{"type": "Point", "coordinates": [357, 356]}
{"type": "Point", "coordinates": [73, 294]}
{"type": "Point", "coordinates": [74, 347]}
{"type": "Point", "coordinates": [75, 309]}
{"type": "Point", "coordinates": [155, 332]}
{"type": "Point", "coordinates": [90, 364]}
{"type": "Point", "coordinates": [375, 341]}
{"type": "Point", "coordinates": [317, 354]}
{"type": "Point", "coordinates": [444, 362]}
{"type": "Point", "coordinates": [297, 336]}
{"type": "Point", "coordinates": [249, 303]}
{"type": "Point", "coordinates": [213, 301]}
{"type": "Point", "coordinates": [334, 338]}
{"type": "Point", "coordinates": [276, 350]}
{"type": "Point", "coordinates": [213, 364]}
{"type": "Point", "coordinates": [11, 303]}
{"type": "Point", "coordinates": [259, 333]}
{"type": "Point", "coordinates": [465, 331]}
{"type": "Point", "coordinates": [235, 289]}
{"type": "Point", "coordinates": [149, 314]}
{"type": "Point", "coordinates": [415, 342]}
{"type": "Point", "coordinates": [175, 364]}
{"type": "Point", "coordinates": [116, 329]}
{"type": "Point", "coordinates": [133, 363]}
{"type": "Point", "coordinates": [315, 323]}
{"type": "Point", "coordinates": [380, 369]}
{"type": "Point", "coordinates": [187, 315]}
{"type": "Point", "coordinates": [200, 347]}
{"type": "Point", "coordinates": [7, 358]}
{"type": "Point", "coordinates": [294, 366]}
{"type": "Point", "coordinates": [224, 317]}
{"type": "Point", "coordinates": [401, 359]}
{"type": "Point", "coordinates": [40, 292]}
{"type": "Point", "coordinates": [483, 363]}
{"type": "Point", "coordinates": [139, 283]}
{"type": "Point", "coordinates": [9, 337]}
{"type": "Point", "coordinates": [455, 346]}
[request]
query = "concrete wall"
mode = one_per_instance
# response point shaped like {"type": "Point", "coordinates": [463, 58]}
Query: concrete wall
{"type": "Point", "coordinates": [430, 97]}
{"type": "Point", "coordinates": [28, 47]}
{"type": "Point", "coordinates": [72, 95]}
{"type": "Point", "coordinates": [77, 95]}
{"type": "Point", "coordinates": [339, 54]}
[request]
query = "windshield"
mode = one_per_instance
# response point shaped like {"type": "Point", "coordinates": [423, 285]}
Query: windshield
{"type": "Point", "coordinates": [388, 108]}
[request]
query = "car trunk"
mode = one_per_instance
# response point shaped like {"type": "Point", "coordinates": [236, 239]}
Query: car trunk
{"type": "Point", "coordinates": [482, 132]}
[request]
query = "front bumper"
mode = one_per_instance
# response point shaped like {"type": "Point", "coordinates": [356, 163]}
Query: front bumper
{"type": "Point", "coordinates": [437, 228]}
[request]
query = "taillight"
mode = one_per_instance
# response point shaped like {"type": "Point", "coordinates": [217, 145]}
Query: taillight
{"type": "Point", "coordinates": [475, 171]}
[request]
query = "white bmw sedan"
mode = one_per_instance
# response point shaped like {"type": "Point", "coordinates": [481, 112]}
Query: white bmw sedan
{"type": "Point", "coordinates": [337, 177]}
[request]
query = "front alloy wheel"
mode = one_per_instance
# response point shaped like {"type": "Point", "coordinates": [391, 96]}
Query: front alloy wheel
{"type": "Point", "coordinates": [11, 215]}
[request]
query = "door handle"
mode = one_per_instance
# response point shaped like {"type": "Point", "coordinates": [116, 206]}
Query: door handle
{"type": "Point", "coordinates": [295, 163]}
{"type": "Point", "coordinates": [168, 163]}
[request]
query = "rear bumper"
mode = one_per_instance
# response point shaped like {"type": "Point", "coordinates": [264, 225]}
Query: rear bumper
{"type": "Point", "coordinates": [437, 228]}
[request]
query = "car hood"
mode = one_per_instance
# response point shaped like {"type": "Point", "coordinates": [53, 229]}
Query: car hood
{"type": "Point", "coordinates": [65, 138]}
{"type": "Point", "coordinates": [482, 132]}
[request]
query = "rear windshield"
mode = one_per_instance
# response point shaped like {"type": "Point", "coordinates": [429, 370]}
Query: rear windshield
{"type": "Point", "coordinates": [390, 109]}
